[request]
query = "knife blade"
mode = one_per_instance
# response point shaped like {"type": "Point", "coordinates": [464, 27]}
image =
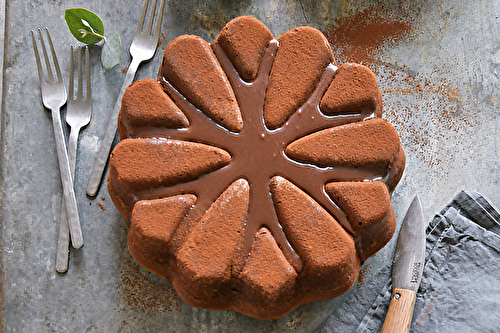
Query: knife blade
{"type": "Point", "coordinates": [407, 269]}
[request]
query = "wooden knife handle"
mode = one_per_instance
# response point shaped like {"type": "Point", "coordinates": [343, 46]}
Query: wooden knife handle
{"type": "Point", "coordinates": [398, 317]}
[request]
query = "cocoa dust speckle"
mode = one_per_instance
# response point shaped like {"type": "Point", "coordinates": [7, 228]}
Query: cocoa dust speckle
{"type": "Point", "coordinates": [361, 277]}
{"type": "Point", "coordinates": [425, 109]}
{"type": "Point", "coordinates": [359, 37]}
{"type": "Point", "coordinates": [124, 69]}
{"type": "Point", "coordinates": [142, 293]}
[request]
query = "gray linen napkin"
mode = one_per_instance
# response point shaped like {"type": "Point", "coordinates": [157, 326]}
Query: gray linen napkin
{"type": "Point", "coordinates": [460, 289]}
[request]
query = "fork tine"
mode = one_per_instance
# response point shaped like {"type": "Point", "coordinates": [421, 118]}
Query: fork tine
{"type": "Point", "coordinates": [87, 70]}
{"type": "Point", "coordinates": [46, 57]}
{"type": "Point", "coordinates": [151, 18]}
{"type": "Point", "coordinates": [143, 15]}
{"type": "Point", "coordinates": [80, 93]}
{"type": "Point", "coordinates": [37, 57]}
{"type": "Point", "coordinates": [54, 57]}
{"type": "Point", "coordinates": [159, 20]}
{"type": "Point", "coordinates": [71, 77]}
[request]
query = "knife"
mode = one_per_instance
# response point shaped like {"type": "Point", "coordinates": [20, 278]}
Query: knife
{"type": "Point", "coordinates": [407, 269]}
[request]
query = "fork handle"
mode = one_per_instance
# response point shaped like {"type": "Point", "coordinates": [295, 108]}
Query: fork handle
{"type": "Point", "coordinates": [109, 136]}
{"type": "Point", "coordinates": [63, 241]}
{"type": "Point", "coordinates": [67, 182]}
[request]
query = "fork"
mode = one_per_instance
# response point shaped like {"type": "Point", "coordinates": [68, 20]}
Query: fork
{"type": "Point", "coordinates": [143, 48]}
{"type": "Point", "coordinates": [54, 97]}
{"type": "Point", "coordinates": [78, 115]}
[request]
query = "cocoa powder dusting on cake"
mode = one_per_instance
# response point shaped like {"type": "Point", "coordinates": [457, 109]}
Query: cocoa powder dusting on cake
{"type": "Point", "coordinates": [158, 108]}
{"type": "Point", "coordinates": [301, 59]}
{"type": "Point", "coordinates": [245, 59]}
{"type": "Point", "coordinates": [249, 234]}
{"type": "Point", "coordinates": [192, 68]}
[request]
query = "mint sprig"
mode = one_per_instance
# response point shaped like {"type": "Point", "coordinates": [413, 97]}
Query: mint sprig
{"type": "Point", "coordinates": [87, 27]}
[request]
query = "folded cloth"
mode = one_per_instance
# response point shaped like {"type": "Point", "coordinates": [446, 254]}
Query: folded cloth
{"type": "Point", "coordinates": [460, 288]}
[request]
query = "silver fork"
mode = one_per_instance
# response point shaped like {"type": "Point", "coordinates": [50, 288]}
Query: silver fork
{"type": "Point", "coordinates": [143, 48]}
{"type": "Point", "coordinates": [54, 97]}
{"type": "Point", "coordinates": [78, 115]}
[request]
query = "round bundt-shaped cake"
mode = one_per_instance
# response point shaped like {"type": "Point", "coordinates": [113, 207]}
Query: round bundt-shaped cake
{"type": "Point", "coordinates": [255, 174]}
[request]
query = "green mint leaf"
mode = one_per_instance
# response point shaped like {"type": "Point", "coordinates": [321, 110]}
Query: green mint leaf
{"type": "Point", "coordinates": [111, 51]}
{"type": "Point", "coordinates": [85, 25]}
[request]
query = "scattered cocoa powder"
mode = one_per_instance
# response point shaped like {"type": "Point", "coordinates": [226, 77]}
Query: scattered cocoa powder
{"type": "Point", "coordinates": [359, 37]}
{"type": "Point", "coordinates": [363, 272]}
{"type": "Point", "coordinates": [142, 293]}
{"type": "Point", "coordinates": [425, 110]}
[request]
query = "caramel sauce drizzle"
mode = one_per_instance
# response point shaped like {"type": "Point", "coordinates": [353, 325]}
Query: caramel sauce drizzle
{"type": "Point", "coordinates": [258, 155]}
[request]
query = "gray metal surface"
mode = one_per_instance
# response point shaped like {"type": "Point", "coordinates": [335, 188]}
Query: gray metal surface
{"type": "Point", "coordinates": [438, 65]}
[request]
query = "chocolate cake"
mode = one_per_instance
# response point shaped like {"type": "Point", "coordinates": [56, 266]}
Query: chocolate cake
{"type": "Point", "coordinates": [255, 173]}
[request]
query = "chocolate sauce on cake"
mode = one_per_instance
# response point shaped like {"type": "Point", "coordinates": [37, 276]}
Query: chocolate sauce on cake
{"type": "Point", "coordinates": [258, 154]}
{"type": "Point", "coordinates": [259, 159]}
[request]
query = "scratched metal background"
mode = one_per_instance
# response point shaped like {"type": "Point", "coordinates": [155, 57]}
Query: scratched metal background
{"type": "Point", "coordinates": [438, 64]}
